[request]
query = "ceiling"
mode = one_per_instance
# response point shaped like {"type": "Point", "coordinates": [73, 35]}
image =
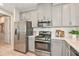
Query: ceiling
{"type": "Point", "coordinates": [20, 6]}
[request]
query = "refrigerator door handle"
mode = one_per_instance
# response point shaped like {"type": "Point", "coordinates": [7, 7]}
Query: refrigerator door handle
{"type": "Point", "coordinates": [18, 35]}
{"type": "Point", "coordinates": [15, 31]}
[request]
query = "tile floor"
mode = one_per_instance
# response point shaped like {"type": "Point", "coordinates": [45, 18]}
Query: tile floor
{"type": "Point", "coordinates": [6, 50]}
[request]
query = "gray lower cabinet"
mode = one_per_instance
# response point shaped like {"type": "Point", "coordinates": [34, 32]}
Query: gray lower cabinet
{"type": "Point", "coordinates": [56, 47]}
{"type": "Point", "coordinates": [59, 48]}
{"type": "Point", "coordinates": [66, 49]}
{"type": "Point", "coordinates": [31, 43]}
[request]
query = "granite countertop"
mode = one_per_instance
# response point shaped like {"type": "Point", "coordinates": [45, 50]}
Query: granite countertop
{"type": "Point", "coordinates": [74, 43]}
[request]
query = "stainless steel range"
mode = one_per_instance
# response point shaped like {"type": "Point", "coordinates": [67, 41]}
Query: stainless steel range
{"type": "Point", "coordinates": [42, 43]}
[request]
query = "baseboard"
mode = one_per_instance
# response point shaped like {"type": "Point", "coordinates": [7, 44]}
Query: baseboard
{"type": "Point", "coordinates": [32, 52]}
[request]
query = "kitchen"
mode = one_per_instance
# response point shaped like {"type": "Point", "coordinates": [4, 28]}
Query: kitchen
{"type": "Point", "coordinates": [48, 27]}
{"type": "Point", "coordinates": [59, 17]}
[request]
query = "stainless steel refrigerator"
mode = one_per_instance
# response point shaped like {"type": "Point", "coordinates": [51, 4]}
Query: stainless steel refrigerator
{"type": "Point", "coordinates": [23, 29]}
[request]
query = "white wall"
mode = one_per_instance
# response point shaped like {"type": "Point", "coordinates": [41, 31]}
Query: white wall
{"type": "Point", "coordinates": [30, 16]}
{"type": "Point", "coordinates": [5, 12]}
{"type": "Point", "coordinates": [14, 18]}
{"type": "Point", "coordinates": [2, 19]}
{"type": "Point", "coordinates": [12, 31]}
{"type": "Point", "coordinates": [7, 30]}
{"type": "Point", "coordinates": [16, 15]}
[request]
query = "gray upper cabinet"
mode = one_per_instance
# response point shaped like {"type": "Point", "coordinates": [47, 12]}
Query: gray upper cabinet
{"type": "Point", "coordinates": [77, 13]}
{"type": "Point", "coordinates": [70, 14]}
{"type": "Point", "coordinates": [66, 15]}
{"type": "Point", "coordinates": [59, 15]}
{"type": "Point", "coordinates": [74, 14]}
{"type": "Point", "coordinates": [40, 12]}
{"type": "Point", "coordinates": [44, 11]}
{"type": "Point", "coordinates": [56, 15]}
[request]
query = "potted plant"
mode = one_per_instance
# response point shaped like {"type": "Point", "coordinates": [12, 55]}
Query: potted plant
{"type": "Point", "coordinates": [75, 34]}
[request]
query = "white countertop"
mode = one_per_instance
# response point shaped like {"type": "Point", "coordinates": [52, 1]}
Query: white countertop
{"type": "Point", "coordinates": [74, 43]}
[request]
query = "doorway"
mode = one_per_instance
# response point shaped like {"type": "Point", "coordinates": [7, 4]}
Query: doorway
{"type": "Point", "coordinates": [1, 33]}
{"type": "Point", "coordinates": [5, 30]}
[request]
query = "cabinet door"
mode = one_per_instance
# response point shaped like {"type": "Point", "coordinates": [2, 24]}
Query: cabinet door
{"type": "Point", "coordinates": [44, 11]}
{"type": "Point", "coordinates": [56, 47]}
{"type": "Point", "coordinates": [66, 49]}
{"type": "Point", "coordinates": [31, 43]}
{"type": "Point", "coordinates": [73, 14]}
{"type": "Point", "coordinates": [40, 12]}
{"type": "Point", "coordinates": [67, 52]}
{"type": "Point", "coordinates": [56, 15]}
{"type": "Point", "coordinates": [77, 14]}
{"type": "Point", "coordinates": [66, 15]}
{"type": "Point", "coordinates": [34, 18]}
{"type": "Point", "coordinates": [47, 11]}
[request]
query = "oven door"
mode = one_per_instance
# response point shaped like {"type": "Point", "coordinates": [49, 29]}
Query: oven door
{"type": "Point", "coordinates": [45, 46]}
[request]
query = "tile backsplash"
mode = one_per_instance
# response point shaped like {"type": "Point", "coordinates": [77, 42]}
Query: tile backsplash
{"type": "Point", "coordinates": [59, 33]}
{"type": "Point", "coordinates": [65, 32]}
